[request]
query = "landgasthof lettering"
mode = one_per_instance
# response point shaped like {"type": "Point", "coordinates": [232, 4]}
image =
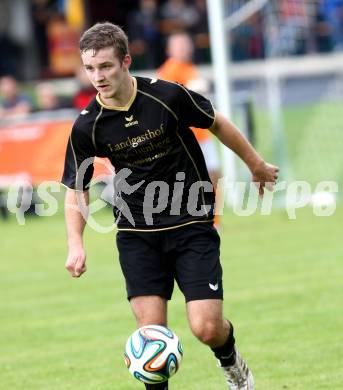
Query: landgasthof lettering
{"type": "Point", "coordinates": [135, 141]}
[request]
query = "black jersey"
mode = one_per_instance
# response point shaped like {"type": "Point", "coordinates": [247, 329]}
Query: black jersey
{"type": "Point", "coordinates": [166, 179]}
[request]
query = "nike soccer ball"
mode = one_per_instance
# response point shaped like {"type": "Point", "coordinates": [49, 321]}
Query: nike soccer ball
{"type": "Point", "coordinates": [153, 354]}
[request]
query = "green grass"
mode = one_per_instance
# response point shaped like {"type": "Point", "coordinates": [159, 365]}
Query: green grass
{"type": "Point", "coordinates": [283, 291]}
{"type": "Point", "coordinates": [312, 141]}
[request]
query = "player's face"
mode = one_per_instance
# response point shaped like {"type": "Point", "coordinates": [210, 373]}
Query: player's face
{"type": "Point", "coordinates": [106, 72]}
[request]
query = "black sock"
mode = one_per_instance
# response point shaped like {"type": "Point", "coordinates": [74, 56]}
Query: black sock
{"type": "Point", "coordinates": [158, 386]}
{"type": "Point", "coordinates": [226, 353]}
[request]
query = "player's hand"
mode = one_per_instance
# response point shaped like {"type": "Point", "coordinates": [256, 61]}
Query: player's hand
{"type": "Point", "coordinates": [265, 176]}
{"type": "Point", "coordinates": [76, 262]}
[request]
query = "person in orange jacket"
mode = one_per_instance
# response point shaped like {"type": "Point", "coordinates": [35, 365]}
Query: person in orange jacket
{"type": "Point", "coordinates": [179, 68]}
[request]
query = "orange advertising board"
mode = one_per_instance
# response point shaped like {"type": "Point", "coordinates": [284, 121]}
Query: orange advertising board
{"type": "Point", "coordinates": [34, 151]}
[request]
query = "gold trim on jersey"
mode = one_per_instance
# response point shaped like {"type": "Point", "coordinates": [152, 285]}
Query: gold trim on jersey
{"type": "Point", "coordinates": [195, 166]}
{"type": "Point", "coordinates": [94, 125]}
{"type": "Point", "coordinates": [177, 133]}
{"type": "Point", "coordinates": [159, 101]}
{"type": "Point", "coordinates": [161, 229]}
{"type": "Point", "coordinates": [75, 160]}
{"type": "Point", "coordinates": [180, 138]}
{"type": "Point", "coordinates": [121, 108]}
{"type": "Point", "coordinates": [211, 128]}
{"type": "Point", "coordinates": [194, 102]}
{"type": "Point", "coordinates": [76, 167]}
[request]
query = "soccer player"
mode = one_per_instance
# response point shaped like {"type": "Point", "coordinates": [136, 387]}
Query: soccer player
{"type": "Point", "coordinates": [164, 200]}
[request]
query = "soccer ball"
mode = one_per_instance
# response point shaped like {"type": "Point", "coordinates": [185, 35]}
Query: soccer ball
{"type": "Point", "coordinates": [153, 354]}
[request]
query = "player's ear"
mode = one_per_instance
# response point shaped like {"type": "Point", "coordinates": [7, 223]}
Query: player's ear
{"type": "Point", "coordinates": [127, 61]}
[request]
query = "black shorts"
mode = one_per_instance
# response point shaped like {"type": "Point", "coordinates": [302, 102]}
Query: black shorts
{"type": "Point", "coordinates": [151, 261]}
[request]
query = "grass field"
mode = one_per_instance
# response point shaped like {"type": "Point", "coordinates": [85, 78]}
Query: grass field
{"type": "Point", "coordinates": [312, 141]}
{"type": "Point", "coordinates": [283, 291]}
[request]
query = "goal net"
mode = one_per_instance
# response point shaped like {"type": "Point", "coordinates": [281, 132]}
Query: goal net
{"type": "Point", "coordinates": [296, 91]}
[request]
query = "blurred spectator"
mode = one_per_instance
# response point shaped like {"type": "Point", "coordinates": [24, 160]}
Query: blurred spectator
{"type": "Point", "coordinates": [46, 97]}
{"type": "Point", "coordinates": [114, 11]}
{"type": "Point", "coordinates": [145, 39]}
{"type": "Point", "coordinates": [247, 40]}
{"type": "Point", "coordinates": [75, 13]}
{"type": "Point", "coordinates": [63, 41]}
{"type": "Point", "coordinates": [177, 15]}
{"type": "Point", "coordinates": [200, 34]}
{"type": "Point", "coordinates": [332, 13]}
{"type": "Point", "coordinates": [41, 12]}
{"type": "Point", "coordinates": [256, 48]}
{"type": "Point", "coordinates": [294, 23]}
{"type": "Point", "coordinates": [56, 25]}
{"type": "Point", "coordinates": [322, 32]}
{"type": "Point", "coordinates": [13, 103]}
{"type": "Point", "coordinates": [8, 48]}
{"type": "Point", "coordinates": [285, 34]}
{"type": "Point", "coordinates": [179, 68]}
{"type": "Point", "coordinates": [16, 40]}
{"type": "Point", "coordinates": [85, 92]}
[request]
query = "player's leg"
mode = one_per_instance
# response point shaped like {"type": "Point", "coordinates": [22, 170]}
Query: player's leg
{"type": "Point", "coordinates": [149, 310]}
{"type": "Point", "coordinates": [149, 283]}
{"type": "Point", "coordinates": [199, 275]}
{"type": "Point", "coordinates": [208, 325]}
{"type": "Point", "coordinates": [206, 321]}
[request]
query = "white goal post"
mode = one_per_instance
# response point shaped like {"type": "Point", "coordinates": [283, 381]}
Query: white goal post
{"type": "Point", "coordinates": [219, 25]}
{"type": "Point", "coordinates": [224, 16]}
{"type": "Point", "coordinates": [220, 61]}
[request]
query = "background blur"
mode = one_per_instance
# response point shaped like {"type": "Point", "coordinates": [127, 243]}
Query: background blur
{"type": "Point", "coordinates": [38, 38]}
{"type": "Point", "coordinates": [282, 277]}
{"type": "Point", "coordinates": [284, 60]}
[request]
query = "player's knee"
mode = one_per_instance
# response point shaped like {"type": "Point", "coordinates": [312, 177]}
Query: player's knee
{"type": "Point", "coordinates": [207, 332]}
{"type": "Point", "coordinates": [149, 310]}
{"type": "Point", "coordinates": [150, 318]}
{"type": "Point", "coordinates": [145, 321]}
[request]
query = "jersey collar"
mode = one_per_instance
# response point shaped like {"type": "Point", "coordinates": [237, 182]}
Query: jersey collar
{"type": "Point", "coordinates": [121, 108]}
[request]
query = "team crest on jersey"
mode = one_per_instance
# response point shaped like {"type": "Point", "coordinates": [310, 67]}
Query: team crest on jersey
{"type": "Point", "coordinates": [130, 121]}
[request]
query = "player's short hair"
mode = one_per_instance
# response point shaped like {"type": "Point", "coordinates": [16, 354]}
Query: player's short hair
{"type": "Point", "coordinates": [103, 35]}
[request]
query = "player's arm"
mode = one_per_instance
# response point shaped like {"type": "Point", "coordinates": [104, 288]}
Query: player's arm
{"type": "Point", "coordinates": [77, 174]}
{"type": "Point", "coordinates": [229, 135]}
{"type": "Point", "coordinates": [76, 212]}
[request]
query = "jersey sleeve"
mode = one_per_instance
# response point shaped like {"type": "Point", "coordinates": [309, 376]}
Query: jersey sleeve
{"type": "Point", "coordinates": [194, 109]}
{"type": "Point", "coordinates": [79, 158]}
